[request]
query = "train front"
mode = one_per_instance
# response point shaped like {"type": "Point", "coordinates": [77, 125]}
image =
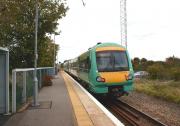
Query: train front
{"type": "Point", "coordinates": [114, 72]}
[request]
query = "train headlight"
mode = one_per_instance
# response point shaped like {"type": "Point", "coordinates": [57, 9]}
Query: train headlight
{"type": "Point", "coordinates": [100, 79]}
{"type": "Point", "coordinates": [129, 77]}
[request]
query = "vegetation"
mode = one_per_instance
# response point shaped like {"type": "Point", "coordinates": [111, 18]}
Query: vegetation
{"type": "Point", "coordinates": [163, 70]}
{"type": "Point", "coordinates": [169, 90]}
{"type": "Point", "coordinates": [163, 80]}
{"type": "Point", "coordinates": [17, 30]}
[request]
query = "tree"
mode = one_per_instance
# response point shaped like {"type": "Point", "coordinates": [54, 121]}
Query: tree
{"type": "Point", "coordinates": [143, 64]}
{"type": "Point", "coordinates": [136, 63]}
{"type": "Point", "coordinates": [17, 28]}
{"type": "Point", "coordinates": [47, 54]}
{"type": "Point", "coordinates": [143, 61]}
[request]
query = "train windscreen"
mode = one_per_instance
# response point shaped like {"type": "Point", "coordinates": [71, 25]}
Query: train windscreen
{"type": "Point", "coordinates": [109, 61]}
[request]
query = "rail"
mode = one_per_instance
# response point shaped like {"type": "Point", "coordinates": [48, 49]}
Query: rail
{"type": "Point", "coordinates": [142, 114]}
{"type": "Point", "coordinates": [131, 115]}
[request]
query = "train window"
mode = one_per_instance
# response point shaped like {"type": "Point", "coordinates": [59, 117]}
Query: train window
{"type": "Point", "coordinates": [108, 61]}
{"type": "Point", "coordinates": [89, 63]}
{"type": "Point", "coordinates": [84, 64]}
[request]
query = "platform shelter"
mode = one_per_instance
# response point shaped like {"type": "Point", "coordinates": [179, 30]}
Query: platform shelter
{"type": "Point", "coordinates": [4, 81]}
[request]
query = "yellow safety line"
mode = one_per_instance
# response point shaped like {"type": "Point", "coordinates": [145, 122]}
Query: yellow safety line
{"type": "Point", "coordinates": [82, 116]}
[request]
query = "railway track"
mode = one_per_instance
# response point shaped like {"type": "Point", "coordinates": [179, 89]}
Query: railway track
{"type": "Point", "coordinates": [130, 115]}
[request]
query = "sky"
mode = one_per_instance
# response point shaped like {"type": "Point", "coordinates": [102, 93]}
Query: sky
{"type": "Point", "coordinates": [153, 27]}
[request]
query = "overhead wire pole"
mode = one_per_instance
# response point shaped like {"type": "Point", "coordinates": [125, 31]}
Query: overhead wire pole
{"type": "Point", "coordinates": [35, 102]}
{"type": "Point", "coordinates": [123, 22]}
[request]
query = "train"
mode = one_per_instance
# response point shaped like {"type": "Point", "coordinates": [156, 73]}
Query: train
{"type": "Point", "coordinates": [105, 69]}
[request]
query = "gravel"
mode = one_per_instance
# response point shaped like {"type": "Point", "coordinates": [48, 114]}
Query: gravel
{"type": "Point", "coordinates": [164, 111]}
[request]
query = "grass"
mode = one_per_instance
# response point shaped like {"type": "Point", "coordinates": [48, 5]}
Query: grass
{"type": "Point", "coordinates": [169, 90]}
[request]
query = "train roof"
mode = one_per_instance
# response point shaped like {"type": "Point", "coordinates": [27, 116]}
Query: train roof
{"type": "Point", "coordinates": [99, 44]}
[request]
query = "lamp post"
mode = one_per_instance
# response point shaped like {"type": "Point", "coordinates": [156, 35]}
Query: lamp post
{"type": "Point", "coordinates": [35, 103]}
{"type": "Point", "coordinates": [54, 55]}
{"type": "Point", "coordinates": [56, 33]}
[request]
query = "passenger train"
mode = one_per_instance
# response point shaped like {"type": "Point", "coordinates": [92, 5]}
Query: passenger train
{"type": "Point", "coordinates": [105, 68]}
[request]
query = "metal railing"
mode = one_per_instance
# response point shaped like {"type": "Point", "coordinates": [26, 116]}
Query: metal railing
{"type": "Point", "coordinates": [22, 84]}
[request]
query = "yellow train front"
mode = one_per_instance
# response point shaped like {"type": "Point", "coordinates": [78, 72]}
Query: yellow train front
{"type": "Point", "coordinates": [105, 69]}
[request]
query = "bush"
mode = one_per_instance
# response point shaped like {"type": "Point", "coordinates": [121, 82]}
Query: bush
{"type": "Point", "coordinates": [156, 71]}
{"type": "Point", "coordinates": [169, 91]}
{"type": "Point", "coordinates": [175, 73]}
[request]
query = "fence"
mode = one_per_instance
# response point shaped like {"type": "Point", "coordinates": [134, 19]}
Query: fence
{"type": "Point", "coordinates": [22, 84]}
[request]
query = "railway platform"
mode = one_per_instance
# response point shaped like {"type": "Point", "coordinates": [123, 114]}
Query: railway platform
{"type": "Point", "coordinates": [65, 103]}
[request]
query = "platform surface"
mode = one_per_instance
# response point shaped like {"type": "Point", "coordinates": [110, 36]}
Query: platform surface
{"type": "Point", "coordinates": [58, 114]}
{"type": "Point", "coordinates": [86, 107]}
{"type": "Point", "coordinates": [62, 104]}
